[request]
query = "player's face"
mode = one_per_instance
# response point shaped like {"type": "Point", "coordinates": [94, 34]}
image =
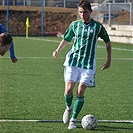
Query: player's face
{"type": "Point", "coordinates": [84, 14]}
{"type": "Point", "coordinates": [3, 49]}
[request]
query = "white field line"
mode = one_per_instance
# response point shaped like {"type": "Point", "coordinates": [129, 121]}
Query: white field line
{"type": "Point", "coordinates": [47, 40]}
{"type": "Point", "coordinates": [130, 59]}
{"type": "Point", "coordinates": [56, 121]}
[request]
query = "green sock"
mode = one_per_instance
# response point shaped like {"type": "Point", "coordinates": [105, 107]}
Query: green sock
{"type": "Point", "coordinates": [78, 104]}
{"type": "Point", "coordinates": [68, 100]}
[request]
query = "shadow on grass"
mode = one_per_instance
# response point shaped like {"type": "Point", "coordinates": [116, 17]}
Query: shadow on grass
{"type": "Point", "coordinates": [112, 128]}
{"type": "Point", "coordinates": [118, 126]}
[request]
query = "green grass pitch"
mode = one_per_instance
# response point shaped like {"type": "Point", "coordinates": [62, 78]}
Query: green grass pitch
{"type": "Point", "coordinates": [33, 88]}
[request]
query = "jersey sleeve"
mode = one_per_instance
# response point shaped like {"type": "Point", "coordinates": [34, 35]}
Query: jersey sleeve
{"type": "Point", "coordinates": [104, 35]}
{"type": "Point", "coordinates": [3, 30]}
{"type": "Point", "coordinates": [69, 34]}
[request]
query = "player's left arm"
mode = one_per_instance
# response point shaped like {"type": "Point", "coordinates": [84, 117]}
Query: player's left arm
{"type": "Point", "coordinates": [104, 35]}
{"type": "Point", "coordinates": [107, 63]}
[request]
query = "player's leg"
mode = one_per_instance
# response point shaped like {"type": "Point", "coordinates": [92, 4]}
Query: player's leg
{"type": "Point", "coordinates": [70, 76]}
{"type": "Point", "coordinates": [78, 104]}
{"type": "Point", "coordinates": [86, 78]}
{"type": "Point", "coordinates": [68, 97]}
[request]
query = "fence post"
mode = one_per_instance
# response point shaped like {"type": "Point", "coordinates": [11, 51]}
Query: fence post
{"type": "Point", "coordinates": [64, 3]}
{"type": "Point", "coordinates": [109, 16]}
{"type": "Point", "coordinates": [131, 9]}
{"type": "Point", "coordinates": [7, 14]}
{"type": "Point", "coordinates": [43, 5]}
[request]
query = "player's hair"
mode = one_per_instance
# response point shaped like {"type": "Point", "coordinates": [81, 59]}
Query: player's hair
{"type": "Point", "coordinates": [85, 4]}
{"type": "Point", "coordinates": [6, 39]}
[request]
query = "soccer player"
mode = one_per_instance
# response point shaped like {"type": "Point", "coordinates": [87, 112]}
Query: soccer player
{"type": "Point", "coordinates": [6, 43]}
{"type": "Point", "coordinates": [80, 63]}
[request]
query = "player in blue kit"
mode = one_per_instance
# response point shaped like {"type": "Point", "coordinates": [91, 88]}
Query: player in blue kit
{"type": "Point", "coordinates": [80, 63]}
{"type": "Point", "coordinates": [6, 43]}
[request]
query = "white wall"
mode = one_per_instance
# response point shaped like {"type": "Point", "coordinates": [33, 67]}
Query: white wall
{"type": "Point", "coordinates": [120, 33]}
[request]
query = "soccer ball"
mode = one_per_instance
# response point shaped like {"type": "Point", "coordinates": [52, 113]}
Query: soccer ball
{"type": "Point", "coordinates": [89, 122]}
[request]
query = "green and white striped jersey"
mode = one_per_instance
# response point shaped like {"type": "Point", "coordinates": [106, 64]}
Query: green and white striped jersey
{"type": "Point", "coordinates": [83, 52]}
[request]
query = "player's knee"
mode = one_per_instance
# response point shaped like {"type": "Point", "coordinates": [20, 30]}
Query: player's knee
{"type": "Point", "coordinates": [68, 91]}
{"type": "Point", "coordinates": [80, 93]}
{"type": "Point", "coordinates": [69, 88]}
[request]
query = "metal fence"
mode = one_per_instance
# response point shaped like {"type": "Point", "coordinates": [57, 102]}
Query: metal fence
{"type": "Point", "coordinates": [50, 3]}
{"type": "Point", "coordinates": [109, 12]}
{"type": "Point", "coordinates": [114, 13]}
{"type": "Point", "coordinates": [57, 3]}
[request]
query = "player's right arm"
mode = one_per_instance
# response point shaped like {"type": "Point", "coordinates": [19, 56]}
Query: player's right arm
{"type": "Point", "coordinates": [69, 34]}
{"type": "Point", "coordinates": [62, 44]}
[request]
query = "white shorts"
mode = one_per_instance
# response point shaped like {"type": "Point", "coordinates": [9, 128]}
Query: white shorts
{"type": "Point", "coordinates": [75, 74]}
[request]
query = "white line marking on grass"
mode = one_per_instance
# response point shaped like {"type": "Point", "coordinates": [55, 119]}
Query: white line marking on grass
{"type": "Point", "coordinates": [56, 121]}
{"type": "Point", "coordinates": [115, 121]}
{"type": "Point", "coordinates": [6, 120]}
{"type": "Point", "coordinates": [130, 59]}
{"type": "Point", "coordinates": [120, 49]}
{"type": "Point", "coordinates": [47, 40]}
{"type": "Point", "coordinates": [35, 57]}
